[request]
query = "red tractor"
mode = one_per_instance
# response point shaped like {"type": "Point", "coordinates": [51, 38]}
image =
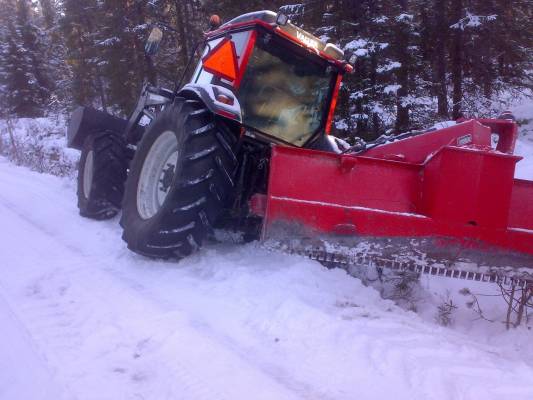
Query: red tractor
{"type": "Point", "coordinates": [245, 144]}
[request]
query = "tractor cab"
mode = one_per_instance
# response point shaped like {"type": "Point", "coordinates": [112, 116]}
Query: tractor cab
{"type": "Point", "coordinates": [279, 81]}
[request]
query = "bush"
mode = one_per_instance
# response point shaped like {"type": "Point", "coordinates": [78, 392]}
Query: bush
{"type": "Point", "coordinates": [39, 144]}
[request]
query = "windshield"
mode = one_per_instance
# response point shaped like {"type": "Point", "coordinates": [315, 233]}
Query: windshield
{"type": "Point", "coordinates": [283, 93]}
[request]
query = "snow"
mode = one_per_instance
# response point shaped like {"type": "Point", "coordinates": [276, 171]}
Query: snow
{"type": "Point", "coordinates": [84, 318]}
{"type": "Point", "coordinates": [291, 8]}
{"type": "Point", "coordinates": [358, 47]}
{"type": "Point", "coordinates": [109, 41]}
{"type": "Point", "coordinates": [355, 44]}
{"type": "Point", "coordinates": [443, 124]}
{"type": "Point", "coordinates": [380, 20]}
{"type": "Point", "coordinates": [473, 21]}
{"type": "Point", "coordinates": [324, 204]}
{"type": "Point", "coordinates": [388, 67]}
{"type": "Point", "coordinates": [362, 48]}
{"type": "Point", "coordinates": [391, 89]}
{"type": "Point", "coordinates": [18, 350]}
{"type": "Point", "coordinates": [405, 18]}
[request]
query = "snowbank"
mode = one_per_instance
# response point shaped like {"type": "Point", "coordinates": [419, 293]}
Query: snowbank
{"type": "Point", "coordinates": [39, 144]}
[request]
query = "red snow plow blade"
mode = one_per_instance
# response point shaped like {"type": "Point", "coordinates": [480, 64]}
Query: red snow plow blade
{"type": "Point", "coordinates": [447, 183]}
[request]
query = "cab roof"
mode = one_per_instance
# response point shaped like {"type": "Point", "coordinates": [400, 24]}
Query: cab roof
{"type": "Point", "coordinates": [269, 18]}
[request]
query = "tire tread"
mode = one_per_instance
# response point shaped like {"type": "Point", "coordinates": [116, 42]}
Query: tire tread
{"type": "Point", "coordinates": [201, 189]}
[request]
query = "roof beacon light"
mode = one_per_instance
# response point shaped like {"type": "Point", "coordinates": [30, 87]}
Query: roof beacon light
{"type": "Point", "coordinates": [214, 22]}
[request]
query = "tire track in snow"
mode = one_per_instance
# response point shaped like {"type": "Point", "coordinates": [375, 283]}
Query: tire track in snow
{"type": "Point", "coordinates": [19, 346]}
{"type": "Point", "coordinates": [62, 331]}
{"type": "Point", "coordinates": [276, 372]}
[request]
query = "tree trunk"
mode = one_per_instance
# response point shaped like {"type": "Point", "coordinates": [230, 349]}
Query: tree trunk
{"type": "Point", "coordinates": [97, 73]}
{"type": "Point", "coordinates": [373, 81]}
{"type": "Point", "coordinates": [441, 38]}
{"type": "Point", "coordinates": [48, 12]}
{"type": "Point", "coordinates": [457, 60]}
{"type": "Point", "coordinates": [184, 50]}
{"type": "Point", "coordinates": [402, 73]}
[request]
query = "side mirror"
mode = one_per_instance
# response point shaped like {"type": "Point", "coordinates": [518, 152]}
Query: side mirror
{"type": "Point", "coordinates": [154, 40]}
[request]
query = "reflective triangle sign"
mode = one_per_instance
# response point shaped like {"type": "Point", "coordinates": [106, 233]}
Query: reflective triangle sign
{"type": "Point", "coordinates": [222, 60]}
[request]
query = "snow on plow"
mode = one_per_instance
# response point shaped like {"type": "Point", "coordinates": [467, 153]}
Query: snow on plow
{"type": "Point", "coordinates": [448, 187]}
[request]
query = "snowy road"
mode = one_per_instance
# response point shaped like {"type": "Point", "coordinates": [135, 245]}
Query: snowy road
{"type": "Point", "coordinates": [83, 318]}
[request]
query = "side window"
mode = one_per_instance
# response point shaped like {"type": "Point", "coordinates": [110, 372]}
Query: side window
{"type": "Point", "coordinates": [240, 39]}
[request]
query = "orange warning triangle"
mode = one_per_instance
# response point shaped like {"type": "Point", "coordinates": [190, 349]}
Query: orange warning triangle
{"type": "Point", "coordinates": [222, 60]}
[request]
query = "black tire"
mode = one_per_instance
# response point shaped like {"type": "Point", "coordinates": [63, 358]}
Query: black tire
{"type": "Point", "coordinates": [101, 197]}
{"type": "Point", "coordinates": [197, 192]}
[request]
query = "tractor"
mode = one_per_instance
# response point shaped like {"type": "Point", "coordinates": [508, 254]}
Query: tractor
{"type": "Point", "coordinates": [246, 145]}
{"type": "Point", "coordinates": [189, 160]}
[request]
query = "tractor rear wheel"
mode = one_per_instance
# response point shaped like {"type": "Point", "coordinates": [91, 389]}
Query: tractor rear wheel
{"type": "Point", "coordinates": [102, 172]}
{"type": "Point", "coordinates": [180, 180]}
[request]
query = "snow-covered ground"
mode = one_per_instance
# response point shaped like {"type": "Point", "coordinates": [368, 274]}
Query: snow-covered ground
{"type": "Point", "coordinates": [83, 318]}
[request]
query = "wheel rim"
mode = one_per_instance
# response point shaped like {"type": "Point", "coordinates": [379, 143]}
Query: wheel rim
{"type": "Point", "coordinates": [88, 174]}
{"type": "Point", "coordinates": [157, 175]}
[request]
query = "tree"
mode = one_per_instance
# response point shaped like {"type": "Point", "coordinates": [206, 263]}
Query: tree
{"type": "Point", "coordinates": [27, 84]}
{"type": "Point", "coordinates": [54, 53]}
{"type": "Point", "coordinates": [440, 36]}
{"type": "Point", "coordinates": [400, 47]}
{"type": "Point", "coordinates": [78, 27]}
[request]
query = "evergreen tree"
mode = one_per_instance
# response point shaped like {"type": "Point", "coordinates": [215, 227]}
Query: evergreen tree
{"type": "Point", "coordinates": [55, 54]}
{"type": "Point", "coordinates": [79, 26]}
{"type": "Point", "coordinates": [27, 85]}
{"type": "Point", "coordinates": [7, 13]}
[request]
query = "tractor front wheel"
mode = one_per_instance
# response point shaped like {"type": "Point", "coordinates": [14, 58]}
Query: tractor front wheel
{"type": "Point", "coordinates": [101, 175]}
{"type": "Point", "coordinates": [180, 180]}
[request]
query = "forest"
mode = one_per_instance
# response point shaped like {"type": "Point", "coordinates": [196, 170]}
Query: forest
{"type": "Point", "coordinates": [415, 61]}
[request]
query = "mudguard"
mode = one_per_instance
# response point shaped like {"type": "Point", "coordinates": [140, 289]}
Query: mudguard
{"type": "Point", "coordinates": [208, 94]}
{"type": "Point", "coordinates": [86, 121]}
